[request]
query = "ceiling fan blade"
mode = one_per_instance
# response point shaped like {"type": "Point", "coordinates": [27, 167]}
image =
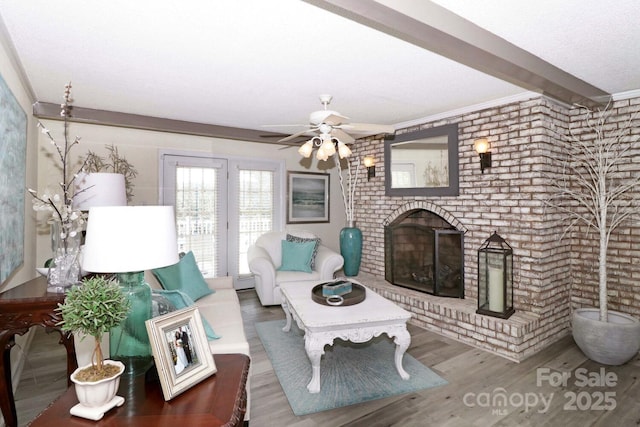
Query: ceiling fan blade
{"type": "Point", "coordinates": [367, 128]}
{"type": "Point", "coordinates": [329, 117]}
{"type": "Point", "coordinates": [297, 134]}
{"type": "Point", "coordinates": [334, 119]}
{"type": "Point", "coordinates": [342, 136]}
{"type": "Point", "coordinates": [285, 126]}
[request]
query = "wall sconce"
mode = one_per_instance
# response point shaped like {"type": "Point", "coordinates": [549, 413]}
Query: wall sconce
{"type": "Point", "coordinates": [370, 164]}
{"type": "Point", "coordinates": [482, 148]}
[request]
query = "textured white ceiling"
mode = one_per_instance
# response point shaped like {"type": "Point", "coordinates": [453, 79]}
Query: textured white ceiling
{"type": "Point", "coordinates": [594, 40]}
{"type": "Point", "coordinates": [248, 63]}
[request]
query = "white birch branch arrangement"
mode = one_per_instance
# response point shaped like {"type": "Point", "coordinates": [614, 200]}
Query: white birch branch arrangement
{"type": "Point", "coordinates": [595, 187]}
{"type": "Point", "coordinates": [348, 187]}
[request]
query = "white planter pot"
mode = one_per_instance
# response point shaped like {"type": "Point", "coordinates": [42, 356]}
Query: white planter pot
{"type": "Point", "coordinates": [611, 343]}
{"type": "Point", "coordinates": [97, 397]}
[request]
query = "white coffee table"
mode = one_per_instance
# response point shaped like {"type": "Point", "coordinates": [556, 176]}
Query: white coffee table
{"type": "Point", "coordinates": [356, 323]}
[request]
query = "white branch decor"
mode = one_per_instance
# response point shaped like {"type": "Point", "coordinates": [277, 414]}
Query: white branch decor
{"type": "Point", "coordinates": [61, 206]}
{"type": "Point", "coordinates": [596, 187]}
{"type": "Point", "coordinates": [349, 188]}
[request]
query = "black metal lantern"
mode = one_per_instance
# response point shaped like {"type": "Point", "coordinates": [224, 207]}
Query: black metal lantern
{"type": "Point", "coordinates": [495, 278]}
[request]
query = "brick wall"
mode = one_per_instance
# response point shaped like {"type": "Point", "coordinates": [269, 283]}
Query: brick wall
{"type": "Point", "coordinates": [550, 275]}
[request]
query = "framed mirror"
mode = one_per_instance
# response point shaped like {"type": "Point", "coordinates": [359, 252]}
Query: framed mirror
{"type": "Point", "coordinates": [422, 163]}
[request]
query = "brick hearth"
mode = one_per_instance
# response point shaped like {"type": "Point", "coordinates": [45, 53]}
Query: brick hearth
{"type": "Point", "coordinates": [514, 338]}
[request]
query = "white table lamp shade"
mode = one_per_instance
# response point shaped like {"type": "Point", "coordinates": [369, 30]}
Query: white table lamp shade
{"type": "Point", "coordinates": [129, 238]}
{"type": "Point", "coordinates": [99, 189]}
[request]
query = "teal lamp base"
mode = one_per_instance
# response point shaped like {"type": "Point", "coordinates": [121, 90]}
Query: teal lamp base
{"type": "Point", "coordinates": [129, 342]}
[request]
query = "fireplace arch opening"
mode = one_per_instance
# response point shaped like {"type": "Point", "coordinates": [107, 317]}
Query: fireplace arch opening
{"type": "Point", "coordinates": [425, 253]}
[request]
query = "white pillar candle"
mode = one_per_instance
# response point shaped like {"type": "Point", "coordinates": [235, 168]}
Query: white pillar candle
{"type": "Point", "coordinates": [496, 289]}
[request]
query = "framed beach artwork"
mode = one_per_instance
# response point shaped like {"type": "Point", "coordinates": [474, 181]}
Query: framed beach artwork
{"type": "Point", "coordinates": [181, 350]}
{"type": "Point", "coordinates": [308, 197]}
{"type": "Point", "coordinates": [13, 148]}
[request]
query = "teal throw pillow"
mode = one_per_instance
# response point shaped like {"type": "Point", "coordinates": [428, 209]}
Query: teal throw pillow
{"type": "Point", "coordinates": [184, 276]}
{"type": "Point", "coordinates": [160, 305]}
{"type": "Point", "coordinates": [296, 256]}
{"type": "Point", "coordinates": [292, 238]}
{"type": "Point", "coordinates": [182, 300]}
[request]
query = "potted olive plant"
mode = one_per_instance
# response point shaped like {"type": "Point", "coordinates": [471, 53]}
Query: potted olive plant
{"type": "Point", "coordinates": [598, 190]}
{"type": "Point", "coordinates": [91, 309]}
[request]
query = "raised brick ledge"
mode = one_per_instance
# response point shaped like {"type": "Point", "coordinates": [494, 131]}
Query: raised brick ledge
{"type": "Point", "coordinates": [514, 338]}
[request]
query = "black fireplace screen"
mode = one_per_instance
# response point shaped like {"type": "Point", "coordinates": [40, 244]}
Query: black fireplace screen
{"type": "Point", "coordinates": [425, 258]}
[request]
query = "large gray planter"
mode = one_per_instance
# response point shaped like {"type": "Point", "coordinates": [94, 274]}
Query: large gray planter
{"type": "Point", "coordinates": [611, 343]}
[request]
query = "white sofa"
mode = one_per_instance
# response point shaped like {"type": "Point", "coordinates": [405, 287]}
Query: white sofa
{"type": "Point", "coordinates": [222, 311]}
{"type": "Point", "coordinates": [265, 256]}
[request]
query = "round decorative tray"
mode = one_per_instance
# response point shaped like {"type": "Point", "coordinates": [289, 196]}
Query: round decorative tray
{"type": "Point", "coordinates": [357, 295]}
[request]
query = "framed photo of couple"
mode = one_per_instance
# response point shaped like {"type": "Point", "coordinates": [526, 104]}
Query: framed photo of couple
{"type": "Point", "coordinates": [181, 350]}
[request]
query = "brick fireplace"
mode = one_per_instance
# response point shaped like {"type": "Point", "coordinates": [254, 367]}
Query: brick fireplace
{"type": "Point", "coordinates": [515, 338]}
{"type": "Point", "coordinates": [423, 252]}
{"type": "Point", "coordinates": [550, 275]}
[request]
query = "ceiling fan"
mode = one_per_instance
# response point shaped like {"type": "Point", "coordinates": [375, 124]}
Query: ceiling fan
{"type": "Point", "coordinates": [329, 122]}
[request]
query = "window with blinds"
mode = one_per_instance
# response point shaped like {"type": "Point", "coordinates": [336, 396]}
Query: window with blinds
{"type": "Point", "coordinates": [219, 214]}
{"type": "Point", "coordinates": [255, 210]}
{"type": "Point", "coordinates": [197, 207]}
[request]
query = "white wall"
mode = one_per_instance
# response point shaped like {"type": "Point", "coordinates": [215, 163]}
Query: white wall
{"type": "Point", "coordinates": [141, 148]}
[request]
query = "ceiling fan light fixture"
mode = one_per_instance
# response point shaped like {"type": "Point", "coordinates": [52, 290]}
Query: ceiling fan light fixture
{"type": "Point", "coordinates": [343, 150]}
{"type": "Point", "coordinates": [327, 146]}
{"type": "Point", "coordinates": [306, 149]}
{"type": "Point", "coordinates": [322, 153]}
{"type": "Point", "coordinates": [331, 139]}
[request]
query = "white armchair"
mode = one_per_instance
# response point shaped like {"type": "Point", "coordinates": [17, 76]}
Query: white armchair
{"type": "Point", "coordinates": [265, 257]}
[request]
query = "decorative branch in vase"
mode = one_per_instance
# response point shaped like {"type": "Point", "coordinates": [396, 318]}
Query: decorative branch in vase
{"type": "Point", "coordinates": [114, 163]}
{"type": "Point", "coordinates": [597, 190]}
{"type": "Point", "coordinates": [66, 222]}
{"type": "Point", "coordinates": [348, 187]}
{"type": "Point", "coordinates": [350, 236]}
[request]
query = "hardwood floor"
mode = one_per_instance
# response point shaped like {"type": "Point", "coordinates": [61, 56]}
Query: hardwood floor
{"type": "Point", "coordinates": [532, 393]}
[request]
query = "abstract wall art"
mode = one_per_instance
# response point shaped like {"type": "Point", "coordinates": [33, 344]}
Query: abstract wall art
{"type": "Point", "coordinates": [13, 146]}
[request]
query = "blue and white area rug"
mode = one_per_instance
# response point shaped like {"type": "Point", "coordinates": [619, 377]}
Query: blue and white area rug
{"type": "Point", "coordinates": [349, 373]}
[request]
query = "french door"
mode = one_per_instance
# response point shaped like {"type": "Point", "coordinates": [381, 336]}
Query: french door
{"type": "Point", "coordinates": [222, 205]}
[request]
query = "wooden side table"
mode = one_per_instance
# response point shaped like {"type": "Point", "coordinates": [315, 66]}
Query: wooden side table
{"type": "Point", "coordinates": [220, 400]}
{"type": "Point", "coordinates": [21, 308]}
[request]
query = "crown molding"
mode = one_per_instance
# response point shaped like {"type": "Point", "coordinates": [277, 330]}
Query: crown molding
{"type": "Point", "coordinates": [14, 58]}
{"type": "Point", "coordinates": [524, 96]}
{"type": "Point", "coordinates": [626, 95]}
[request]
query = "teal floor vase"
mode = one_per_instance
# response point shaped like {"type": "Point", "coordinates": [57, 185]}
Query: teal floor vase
{"type": "Point", "coordinates": [351, 248]}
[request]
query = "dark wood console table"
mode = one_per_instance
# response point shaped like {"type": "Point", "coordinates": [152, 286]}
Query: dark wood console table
{"type": "Point", "coordinates": [21, 308]}
{"type": "Point", "coordinates": [220, 400]}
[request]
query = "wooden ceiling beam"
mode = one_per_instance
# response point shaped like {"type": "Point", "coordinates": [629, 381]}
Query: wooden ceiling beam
{"type": "Point", "coordinates": [440, 31]}
{"type": "Point", "coordinates": [45, 110]}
